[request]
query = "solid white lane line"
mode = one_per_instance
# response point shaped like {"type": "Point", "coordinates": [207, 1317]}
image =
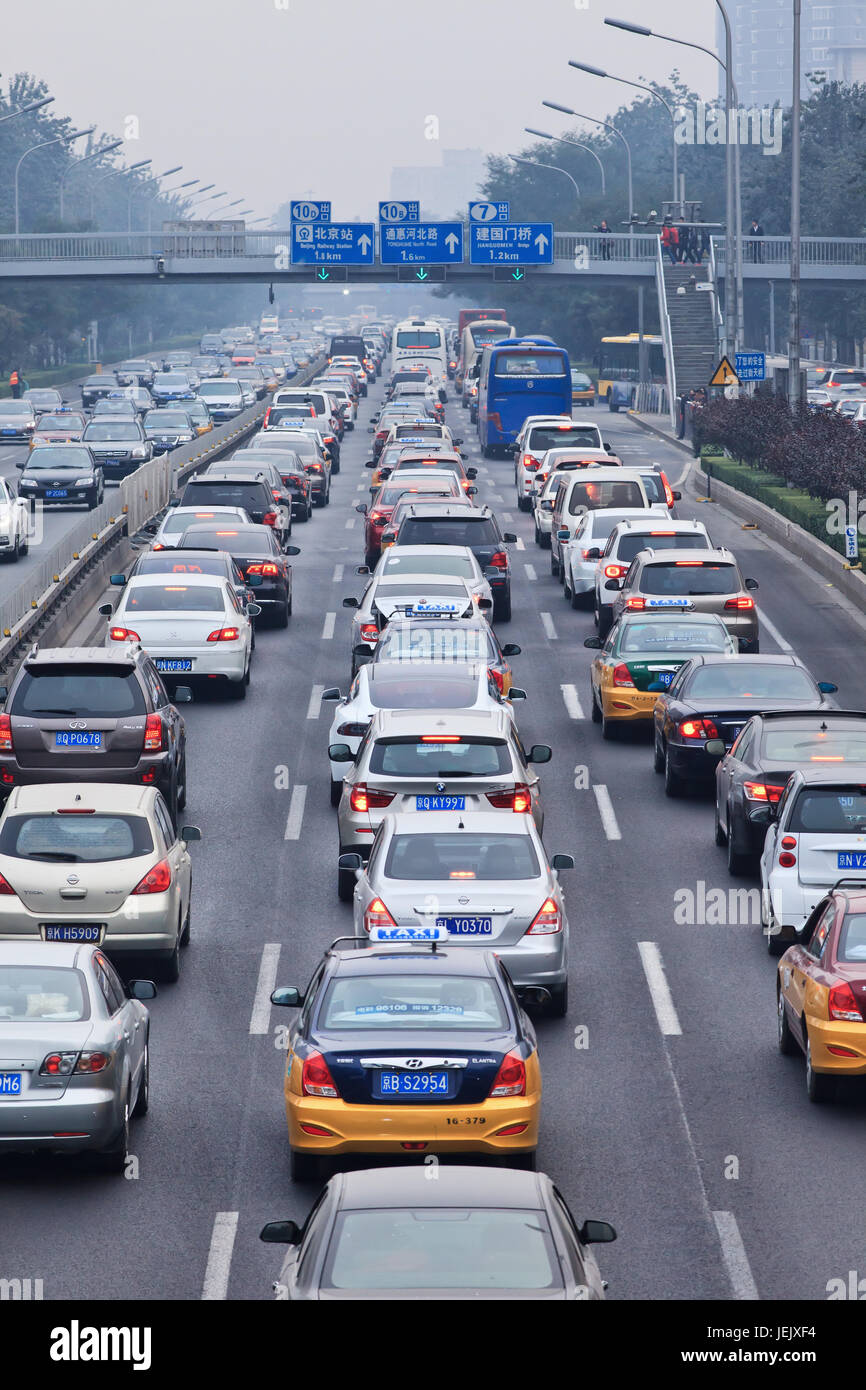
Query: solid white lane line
{"type": "Point", "coordinates": [572, 701]}
{"type": "Point", "coordinates": [519, 543]}
{"type": "Point", "coordinates": [547, 624]}
{"type": "Point", "coordinates": [219, 1260]}
{"type": "Point", "coordinates": [296, 813]}
{"type": "Point", "coordinates": [338, 574]}
{"type": "Point", "coordinates": [774, 632]}
{"type": "Point", "coordinates": [530, 572]}
{"type": "Point", "coordinates": [653, 968]}
{"type": "Point", "coordinates": [350, 524]}
{"type": "Point", "coordinates": [328, 626]}
{"type": "Point", "coordinates": [606, 811]}
{"type": "Point", "coordinates": [315, 704]}
{"type": "Point", "coordinates": [507, 516]}
{"type": "Point", "coordinates": [260, 1018]}
{"type": "Point", "coordinates": [735, 1257]}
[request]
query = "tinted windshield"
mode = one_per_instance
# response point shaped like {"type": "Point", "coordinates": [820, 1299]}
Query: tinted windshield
{"type": "Point", "coordinates": [747, 680]}
{"type": "Point", "coordinates": [110, 431]}
{"type": "Point", "coordinates": [590, 496]}
{"type": "Point", "coordinates": [419, 338]}
{"type": "Point", "coordinates": [830, 810]}
{"type": "Point", "coordinates": [402, 1002]}
{"type": "Point", "coordinates": [391, 687]}
{"type": "Point", "coordinates": [171, 379]}
{"type": "Point", "coordinates": [543, 437]}
{"type": "Point", "coordinates": [219, 388]}
{"type": "Point", "coordinates": [166, 420]}
{"type": "Point", "coordinates": [690, 636]}
{"type": "Point", "coordinates": [61, 422]}
{"type": "Point", "coordinates": [812, 745]}
{"type": "Point", "coordinates": [469, 530]}
{"type": "Point", "coordinates": [517, 362]}
{"type": "Point", "coordinates": [58, 456]}
{"type": "Point", "coordinates": [629, 544]}
{"type": "Point", "coordinates": [428, 757]}
{"type": "Point", "coordinates": [429, 563]}
{"type": "Point", "coordinates": [97, 839]}
{"type": "Point", "coordinates": [33, 993]}
{"type": "Point", "coordinates": [178, 519]}
{"type": "Point", "coordinates": [252, 540]}
{"type": "Point", "coordinates": [680, 577]}
{"type": "Point", "coordinates": [461, 856]}
{"type": "Point", "coordinates": [250, 496]}
{"type": "Point", "coordinates": [103, 692]}
{"type": "Point", "coordinates": [430, 641]}
{"type": "Point", "coordinates": [154, 598]}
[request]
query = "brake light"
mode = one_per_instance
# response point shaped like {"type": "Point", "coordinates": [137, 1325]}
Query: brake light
{"type": "Point", "coordinates": [156, 880]}
{"type": "Point", "coordinates": [547, 920]}
{"type": "Point", "coordinates": [269, 519]}
{"type": "Point", "coordinates": [635, 604]}
{"type": "Point", "coordinates": [530, 463]}
{"type": "Point", "coordinates": [90, 1062]}
{"type": "Point", "coordinates": [6, 889]}
{"type": "Point", "coordinates": [842, 1004]}
{"type": "Point", "coordinates": [362, 799]}
{"type": "Point", "coordinates": [622, 675]}
{"type": "Point", "coordinates": [787, 860]}
{"type": "Point", "coordinates": [497, 678]}
{"type": "Point", "coordinates": [5, 733]}
{"type": "Point", "coordinates": [377, 915]}
{"type": "Point", "coordinates": [698, 728]}
{"type": "Point", "coordinates": [614, 571]}
{"type": "Point", "coordinates": [789, 842]}
{"type": "Point", "coordinates": [123, 634]}
{"type": "Point", "coordinates": [154, 740]}
{"type": "Point", "coordinates": [276, 492]}
{"type": "Point", "coordinates": [669, 496]}
{"type": "Point", "coordinates": [499, 560]}
{"type": "Point", "coordinates": [369, 632]}
{"type": "Point", "coordinates": [377, 518]}
{"type": "Point", "coordinates": [740, 602]}
{"type": "Point", "coordinates": [518, 799]}
{"type": "Point", "coordinates": [762, 791]}
{"type": "Point", "coordinates": [224, 634]}
{"type": "Point", "coordinates": [316, 1079]}
{"type": "Point", "coordinates": [511, 1077]}
{"type": "Point", "coordinates": [267, 418]}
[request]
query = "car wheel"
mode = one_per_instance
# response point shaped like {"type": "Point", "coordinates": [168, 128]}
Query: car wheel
{"type": "Point", "coordinates": [23, 546]}
{"type": "Point", "coordinates": [187, 925]}
{"type": "Point", "coordinates": [502, 609]}
{"type": "Point", "coordinates": [327, 501]}
{"type": "Point", "coordinates": [609, 727]}
{"type": "Point", "coordinates": [819, 1085]}
{"type": "Point", "coordinates": [603, 622]}
{"type": "Point", "coordinates": [580, 601]}
{"type": "Point", "coordinates": [170, 963]}
{"type": "Point", "coordinates": [787, 1041]}
{"type": "Point", "coordinates": [237, 690]}
{"type": "Point", "coordinates": [181, 785]}
{"type": "Point", "coordinates": [566, 587]}
{"type": "Point", "coordinates": [554, 564]}
{"type": "Point", "coordinates": [658, 754]}
{"type": "Point", "coordinates": [558, 1006]}
{"type": "Point", "coordinates": [282, 617]}
{"type": "Point", "coordinates": [346, 881]}
{"type": "Point", "coordinates": [614, 409]}
{"type": "Point", "coordinates": [539, 536]}
{"type": "Point", "coordinates": [142, 1103]}
{"type": "Point", "coordinates": [93, 500]}
{"type": "Point", "coordinates": [524, 504]}
{"type": "Point", "coordinates": [738, 863]}
{"type": "Point", "coordinates": [719, 834]}
{"type": "Point", "coordinates": [113, 1160]}
{"type": "Point", "coordinates": [595, 712]}
{"type": "Point", "coordinates": [303, 1167]}
{"type": "Point", "coordinates": [673, 783]}
{"type": "Point", "coordinates": [336, 792]}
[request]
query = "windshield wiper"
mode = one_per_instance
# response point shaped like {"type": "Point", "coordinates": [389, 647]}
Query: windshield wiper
{"type": "Point", "coordinates": [57, 854]}
{"type": "Point", "coordinates": [53, 711]}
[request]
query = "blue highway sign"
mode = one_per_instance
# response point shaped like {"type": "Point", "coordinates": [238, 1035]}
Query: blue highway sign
{"type": "Point", "coordinates": [305, 211]}
{"type": "Point", "coordinates": [421, 243]}
{"type": "Point", "coordinates": [511, 243]}
{"type": "Point", "coordinates": [751, 366]}
{"type": "Point", "coordinates": [333, 243]}
{"type": "Point", "coordinates": [489, 212]}
{"type": "Point", "coordinates": [399, 212]}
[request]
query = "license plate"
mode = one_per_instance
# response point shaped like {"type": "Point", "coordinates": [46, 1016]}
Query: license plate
{"type": "Point", "coordinates": [850, 859]}
{"type": "Point", "coordinates": [165, 663]}
{"type": "Point", "coordinates": [413, 1083]}
{"type": "Point", "coordinates": [466, 926]}
{"type": "Point", "coordinates": [10, 432]}
{"type": "Point", "coordinates": [70, 740]}
{"type": "Point", "coordinates": [664, 677]}
{"type": "Point", "coordinates": [10, 1083]}
{"type": "Point", "coordinates": [440, 803]}
{"type": "Point", "coordinates": [57, 492]}
{"type": "Point", "coordinates": [64, 931]}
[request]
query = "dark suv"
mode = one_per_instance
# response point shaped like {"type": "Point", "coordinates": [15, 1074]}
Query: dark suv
{"type": "Point", "coordinates": [96, 388]}
{"type": "Point", "coordinates": [76, 714]}
{"type": "Point", "coordinates": [456, 524]}
{"type": "Point", "coordinates": [240, 490]}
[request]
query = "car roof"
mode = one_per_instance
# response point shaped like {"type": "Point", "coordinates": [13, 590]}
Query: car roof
{"type": "Point", "coordinates": [639, 520]}
{"type": "Point", "coordinates": [838, 716]}
{"type": "Point", "coordinates": [452, 822]}
{"type": "Point", "coordinates": [854, 774]}
{"type": "Point", "coordinates": [148, 580]}
{"type": "Point", "coordinates": [391, 581]}
{"type": "Point", "coordinates": [670, 614]}
{"type": "Point", "coordinates": [461, 551]}
{"type": "Point", "coordinates": [458, 1186]}
{"type": "Point", "coordinates": [387, 722]}
{"type": "Point", "coordinates": [455, 506]}
{"type": "Point", "coordinates": [410, 959]}
{"type": "Point", "coordinates": [104, 796]}
{"type": "Point", "coordinates": [240, 528]}
{"type": "Point", "coordinates": [57, 953]}
{"type": "Point", "coordinates": [394, 671]}
{"type": "Point", "coordinates": [78, 656]}
{"type": "Point", "coordinates": [718, 554]}
{"type": "Point", "coordinates": [228, 477]}
{"type": "Point", "coordinates": [750, 659]}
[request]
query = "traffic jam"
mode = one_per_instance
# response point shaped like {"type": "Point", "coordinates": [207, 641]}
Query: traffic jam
{"type": "Point", "coordinates": [387, 530]}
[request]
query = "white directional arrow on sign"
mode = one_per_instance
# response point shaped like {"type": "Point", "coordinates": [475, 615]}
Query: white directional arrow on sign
{"type": "Point", "coordinates": [364, 243]}
{"type": "Point", "coordinates": [541, 242]}
{"type": "Point", "coordinates": [451, 241]}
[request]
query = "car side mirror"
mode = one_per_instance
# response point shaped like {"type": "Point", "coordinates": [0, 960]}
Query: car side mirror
{"type": "Point", "coordinates": [287, 997]}
{"type": "Point", "coordinates": [539, 753]}
{"type": "Point", "coordinates": [562, 861]}
{"type": "Point", "coordinates": [332, 693]}
{"type": "Point", "coordinates": [141, 989]}
{"type": "Point", "coordinates": [612, 584]}
{"type": "Point", "coordinates": [183, 695]}
{"type": "Point", "coordinates": [362, 569]}
{"type": "Point", "coordinates": [340, 753]}
{"type": "Point", "coordinates": [371, 429]}
{"type": "Point", "coordinates": [388, 538]}
{"type": "Point", "coordinates": [281, 1233]}
{"type": "Point", "coordinates": [752, 584]}
{"type": "Point", "coordinates": [253, 610]}
{"type": "Point", "coordinates": [677, 496]}
{"type": "Point", "coordinates": [827, 687]}
{"type": "Point", "coordinates": [459, 441]}
{"type": "Point", "coordinates": [471, 491]}
{"type": "Point", "coordinates": [594, 643]}
{"type": "Point", "coordinates": [508, 537]}
{"type": "Point", "coordinates": [515, 693]}
{"type": "Point", "coordinates": [656, 687]}
{"type": "Point", "coordinates": [254, 581]}
{"type": "Point", "coordinates": [106, 610]}
{"type": "Point", "coordinates": [562, 533]}
{"type": "Point", "coordinates": [484, 604]}
{"type": "Point", "coordinates": [715, 747]}
{"type": "Point", "coordinates": [350, 862]}
{"type": "Point", "coordinates": [351, 603]}
{"type": "Point", "coordinates": [4, 691]}
{"type": "Point", "coordinates": [607, 446]}
{"type": "Point", "coordinates": [511, 649]}
{"type": "Point", "coordinates": [190, 833]}
{"type": "Point", "coordinates": [291, 550]}
{"type": "Point", "coordinates": [118, 579]}
{"type": "Point", "coordinates": [471, 473]}
{"type": "Point", "coordinates": [371, 463]}
{"type": "Point", "coordinates": [596, 1233]}
{"type": "Point", "coordinates": [546, 505]}
{"type": "Point", "coordinates": [533, 996]}
{"type": "Point", "coordinates": [361, 507]}
{"type": "Point", "coordinates": [593, 553]}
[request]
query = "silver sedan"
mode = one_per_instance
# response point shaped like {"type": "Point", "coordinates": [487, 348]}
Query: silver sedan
{"type": "Point", "coordinates": [74, 1054]}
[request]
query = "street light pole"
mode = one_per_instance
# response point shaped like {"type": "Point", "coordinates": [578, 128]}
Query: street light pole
{"type": "Point", "coordinates": [104, 149]}
{"type": "Point", "coordinates": [22, 110]}
{"type": "Point", "coordinates": [794, 331]}
{"type": "Point", "coordinates": [537, 164]}
{"type": "Point", "coordinates": [599, 72]}
{"type": "Point", "coordinates": [55, 140]}
{"type": "Point", "coordinates": [132, 190]}
{"type": "Point", "coordinates": [554, 106]}
{"type": "Point", "coordinates": [575, 145]}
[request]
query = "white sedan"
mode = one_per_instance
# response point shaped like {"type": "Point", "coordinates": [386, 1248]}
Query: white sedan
{"type": "Point", "coordinates": [14, 520]}
{"type": "Point", "coordinates": [174, 523]}
{"type": "Point", "coordinates": [196, 629]}
{"type": "Point", "coordinates": [453, 561]}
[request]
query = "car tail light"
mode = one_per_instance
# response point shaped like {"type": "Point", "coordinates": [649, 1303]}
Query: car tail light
{"type": "Point", "coordinates": [269, 519]}
{"type": "Point", "coordinates": [156, 880]}
{"type": "Point", "coordinates": [530, 463]}
{"type": "Point", "coordinates": [316, 1079]}
{"type": "Point", "coordinates": [377, 915]}
{"type": "Point", "coordinates": [59, 1064]}
{"type": "Point", "coordinates": [6, 889]}
{"type": "Point", "coordinates": [352, 730]}
{"type": "Point", "coordinates": [123, 634]}
{"type": "Point", "coordinates": [497, 678]}
{"type": "Point", "coordinates": [742, 601]}
{"type": "Point", "coordinates": [842, 1005]}
{"type": "Point", "coordinates": [378, 518]}
{"type": "Point", "coordinates": [369, 632]}
{"type": "Point", "coordinates": [276, 492]}
{"type": "Point", "coordinates": [224, 634]}
{"type": "Point", "coordinates": [547, 921]}
{"type": "Point", "coordinates": [762, 791]}
{"type": "Point", "coordinates": [511, 1129]}
{"type": "Point", "coordinates": [622, 675]}
{"type": "Point", "coordinates": [669, 496]}
{"type": "Point", "coordinates": [5, 733]}
{"type": "Point", "coordinates": [318, 1131]}
{"type": "Point", "coordinates": [90, 1062]}
{"type": "Point", "coordinates": [698, 728]}
{"type": "Point", "coordinates": [511, 1077]}
{"type": "Point", "coordinates": [315, 467]}
{"type": "Point", "coordinates": [499, 560]}
{"type": "Point", "coordinates": [517, 799]}
{"type": "Point", "coordinates": [635, 604]}
{"type": "Point", "coordinates": [787, 860]}
{"type": "Point", "coordinates": [614, 571]}
{"type": "Point", "coordinates": [789, 842]}
{"type": "Point", "coordinates": [267, 418]}
{"type": "Point", "coordinates": [362, 799]}
{"type": "Point", "coordinates": [154, 740]}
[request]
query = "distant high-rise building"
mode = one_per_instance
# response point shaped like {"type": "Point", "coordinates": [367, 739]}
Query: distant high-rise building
{"type": "Point", "coordinates": [832, 39]}
{"type": "Point", "coordinates": [442, 189]}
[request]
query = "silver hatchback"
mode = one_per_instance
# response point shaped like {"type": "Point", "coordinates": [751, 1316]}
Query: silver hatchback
{"type": "Point", "coordinates": [486, 883]}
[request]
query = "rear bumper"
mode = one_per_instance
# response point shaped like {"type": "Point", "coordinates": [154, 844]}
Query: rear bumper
{"type": "Point", "coordinates": [155, 771]}
{"type": "Point", "coordinates": [91, 1117]}
{"type": "Point", "coordinates": [629, 705]}
{"type": "Point", "coordinates": [824, 1033]}
{"type": "Point", "coordinates": [385, 1128]}
{"type": "Point", "coordinates": [143, 923]}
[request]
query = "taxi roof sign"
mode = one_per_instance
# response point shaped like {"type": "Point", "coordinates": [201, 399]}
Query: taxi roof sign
{"type": "Point", "coordinates": [401, 935]}
{"type": "Point", "coordinates": [724, 375]}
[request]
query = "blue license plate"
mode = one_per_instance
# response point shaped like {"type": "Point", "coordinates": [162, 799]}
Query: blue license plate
{"type": "Point", "coordinates": [466, 926]}
{"type": "Point", "coordinates": [440, 803]}
{"type": "Point", "coordinates": [850, 859]}
{"type": "Point", "coordinates": [413, 1083]}
{"type": "Point", "coordinates": [61, 931]}
{"type": "Point", "coordinates": [664, 677]}
{"type": "Point", "coordinates": [10, 1083]}
{"type": "Point", "coordinates": [12, 431]}
{"type": "Point", "coordinates": [57, 492]}
{"type": "Point", "coordinates": [71, 740]}
{"type": "Point", "coordinates": [165, 663]}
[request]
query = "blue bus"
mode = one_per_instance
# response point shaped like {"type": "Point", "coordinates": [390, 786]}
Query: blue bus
{"type": "Point", "coordinates": [518, 378]}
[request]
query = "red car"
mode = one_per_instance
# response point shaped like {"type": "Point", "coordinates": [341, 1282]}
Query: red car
{"type": "Point", "coordinates": [379, 513]}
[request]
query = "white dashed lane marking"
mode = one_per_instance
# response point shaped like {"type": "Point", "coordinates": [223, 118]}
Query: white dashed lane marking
{"type": "Point", "coordinates": [295, 817]}
{"type": "Point", "coordinates": [547, 624]}
{"type": "Point", "coordinates": [261, 1015]}
{"type": "Point", "coordinates": [328, 626]}
{"type": "Point", "coordinates": [315, 704]}
{"type": "Point", "coordinates": [606, 811]}
{"type": "Point", "coordinates": [653, 968]}
{"type": "Point", "coordinates": [572, 701]}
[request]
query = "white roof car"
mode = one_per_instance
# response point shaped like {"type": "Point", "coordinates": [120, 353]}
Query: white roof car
{"type": "Point", "coordinates": [456, 561]}
{"type": "Point", "coordinates": [176, 520]}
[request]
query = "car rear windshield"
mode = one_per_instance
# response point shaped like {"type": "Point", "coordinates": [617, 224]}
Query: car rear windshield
{"type": "Point", "coordinates": [689, 580]}
{"type": "Point", "coordinates": [690, 636]}
{"type": "Point", "coordinates": [42, 993]}
{"type": "Point", "coordinates": [743, 680]}
{"type": "Point", "coordinates": [179, 519]}
{"type": "Point", "coordinates": [419, 338]}
{"type": "Point", "coordinates": [402, 1002]}
{"type": "Point", "coordinates": [830, 810]}
{"type": "Point", "coordinates": [436, 563]}
{"type": "Point", "coordinates": [174, 598]}
{"type": "Point", "coordinates": [423, 641]}
{"type": "Point", "coordinates": [453, 530]}
{"type": "Point", "coordinates": [61, 422]}
{"type": "Point", "coordinates": [630, 543]}
{"type": "Point", "coordinates": [251, 496]}
{"type": "Point", "coordinates": [461, 857]}
{"type": "Point", "coordinates": [544, 437]}
{"type": "Point", "coordinates": [302, 402]}
{"type": "Point", "coordinates": [251, 540]}
{"type": "Point", "coordinates": [441, 1248]}
{"type": "Point", "coordinates": [852, 938]}
{"type": "Point", "coordinates": [171, 379]}
{"type": "Point", "coordinates": [416, 431]}
{"type": "Point", "coordinates": [588, 496]}
{"type": "Point", "coordinates": [104, 692]}
{"type": "Point", "coordinates": [389, 687]}
{"type": "Point", "coordinates": [429, 757]}
{"type": "Point", "coordinates": [98, 839]}
{"type": "Point", "coordinates": [812, 745]}
{"type": "Point", "coordinates": [166, 562]}
{"type": "Point", "coordinates": [110, 431]}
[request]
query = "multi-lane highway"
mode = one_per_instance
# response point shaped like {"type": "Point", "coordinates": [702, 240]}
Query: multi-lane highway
{"type": "Point", "coordinates": [666, 1107]}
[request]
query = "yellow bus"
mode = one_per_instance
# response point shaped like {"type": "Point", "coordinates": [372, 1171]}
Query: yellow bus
{"type": "Point", "coordinates": [618, 360]}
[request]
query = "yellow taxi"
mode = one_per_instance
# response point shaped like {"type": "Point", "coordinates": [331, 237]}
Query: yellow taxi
{"type": "Point", "coordinates": [582, 388]}
{"type": "Point", "coordinates": [410, 1047]}
{"type": "Point", "coordinates": [640, 657]}
{"type": "Point", "coordinates": [821, 992]}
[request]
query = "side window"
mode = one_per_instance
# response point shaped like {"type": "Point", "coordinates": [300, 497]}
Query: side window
{"type": "Point", "coordinates": [313, 1227]}
{"type": "Point", "coordinates": [743, 743]}
{"type": "Point", "coordinates": [520, 749]}
{"type": "Point", "coordinates": [155, 688]}
{"type": "Point", "coordinates": [611, 545]}
{"type": "Point", "coordinates": [631, 575]}
{"type": "Point", "coordinates": [234, 600]}
{"type": "Point", "coordinates": [163, 820]}
{"type": "Point", "coordinates": [310, 995]}
{"type": "Point", "coordinates": [114, 980]}
{"type": "Point", "coordinates": [572, 1237]}
{"type": "Point", "coordinates": [784, 802]}
{"type": "Point", "coordinates": [376, 847]}
{"type": "Point", "coordinates": [113, 997]}
{"type": "Point", "coordinates": [822, 930]}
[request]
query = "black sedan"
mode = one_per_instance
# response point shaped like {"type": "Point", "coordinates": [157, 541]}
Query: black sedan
{"type": "Point", "coordinates": [296, 480]}
{"type": "Point", "coordinates": [168, 561]}
{"type": "Point", "coordinates": [259, 557]}
{"type": "Point", "coordinates": [62, 474]}
{"type": "Point", "coordinates": [390, 1233]}
{"type": "Point", "coordinates": [709, 701]}
{"type": "Point", "coordinates": [119, 447]}
{"type": "Point", "coordinates": [96, 388]}
{"type": "Point", "coordinates": [166, 428]}
{"type": "Point", "coordinates": [751, 776]}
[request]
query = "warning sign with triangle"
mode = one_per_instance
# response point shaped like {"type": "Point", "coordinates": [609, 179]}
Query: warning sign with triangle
{"type": "Point", "coordinates": [724, 375]}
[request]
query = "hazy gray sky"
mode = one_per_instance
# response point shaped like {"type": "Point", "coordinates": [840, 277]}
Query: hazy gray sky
{"type": "Point", "coordinates": [273, 99]}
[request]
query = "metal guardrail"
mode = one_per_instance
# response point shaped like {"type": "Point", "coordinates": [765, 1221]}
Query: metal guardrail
{"type": "Point", "coordinates": [667, 335]}
{"type": "Point", "coordinates": [603, 246]}
{"type": "Point", "coordinates": [776, 250]}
